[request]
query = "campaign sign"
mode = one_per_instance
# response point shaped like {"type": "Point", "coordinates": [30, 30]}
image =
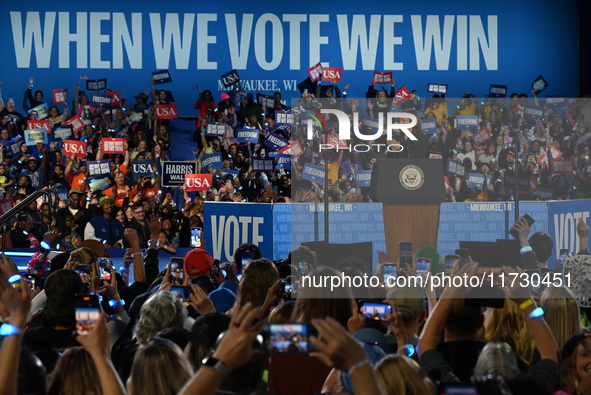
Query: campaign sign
{"type": "Point", "coordinates": [113, 146]}
{"type": "Point", "coordinates": [41, 110]}
{"type": "Point", "coordinates": [76, 122]}
{"type": "Point", "coordinates": [233, 173]}
{"type": "Point", "coordinates": [400, 97]}
{"type": "Point", "coordinates": [247, 135]}
{"type": "Point", "coordinates": [283, 162]}
{"type": "Point", "coordinates": [584, 139]}
{"type": "Point", "coordinates": [363, 178]}
{"type": "Point", "coordinates": [230, 78]}
{"type": "Point", "coordinates": [539, 85]}
{"type": "Point", "coordinates": [429, 126]}
{"type": "Point", "coordinates": [262, 164]}
{"type": "Point", "coordinates": [136, 116]}
{"type": "Point", "coordinates": [455, 168]}
{"type": "Point", "coordinates": [523, 181]}
{"type": "Point", "coordinates": [332, 73]}
{"type": "Point", "coordinates": [212, 160]}
{"type": "Point", "coordinates": [476, 180]}
{"type": "Point", "coordinates": [60, 96]}
{"type": "Point", "coordinates": [555, 100]}
{"type": "Point", "coordinates": [142, 168]}
{"type": "Point", "coordinates": [482, 137]}
{"type": "Point", "coordinates": [166, 111]}
{"type": "Point", "coordinates": [265, 101]}
{"type": "Point", "coordinates": [563, 217]}
{"type": "Point", "coordinates": [161, 77]}
{"type": "Point", "coordinates": [6, 205]}
{"type": "Point", "coordinates": [100, 100]}
{"type": "Point", "coordinates": [380, 77]}
{"type": "Point", "coordinates": [562, 165]}
{"type": "Point", "coordinates": [440, 89]}
{"type": "Point", "coordinates": [497, 91]}
{"type": "Point", "coordinates": [294, 149]}
{"type": "Point", "coordinates": [99, 168]}
{"type": "Point", "coordinates": [543, 193]}
{"type": "Point", "coordinates": [197, 182]}
{"type": "Point", "coordinates": [532, 113]}
{"type": "Point", "coordinates": [232, 225]}
{"type": "Point", "coordinates": [448, 188]}
{"type": "Point", "coordinates": [39, 125]}
{"type": "Point", "coordinates": [75, 148]}
{"type": "Point", "coordinates": [100, 184]}
{"type": "Point", "coordinates": [215, 129]}
{"type": "Point", "coordinates": [315, 72]}
{"type": "Point", "coordinates": [34, 136]}
{"type": "Point", "coordinates": [370, 124]}
{"type": "Point", "coordinates": [63, 194]}
{"type": "Point", "coordinates": [173, 173]}
{"type": "Point", "coordinates": [284, 118]}
{"type": "Point", "coordinates": [116, 101]}
{"type": "Point", "coordinates": [14, 147]}
{"type": "Point", "coordinates": [63, 132]}
{"type": "Point", "coordinates": [313, 173]}
{"type": "Point", "coordinates": [275, 142]}
{"type": "Point", "coordinates": [335, 142]}
{"type": "Point", "coordinates": [466, 122]}
{"type": "Point", "coordinates": [96, 85]}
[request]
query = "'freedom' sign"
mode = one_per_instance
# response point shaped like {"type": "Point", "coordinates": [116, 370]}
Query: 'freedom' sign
{"type": "Point", "coordinates": [466, 122]}
{"type": "Point", "coordinates": [173, 173]}
{"type": "Point", "coordinates": [313, 173]}
{"type": "Point", "coordinates": [197, 182]}
{"type": "Point", "coordinates": [247, 135]}
{"type": "Point", "coordinates": [275, 142]}
{"type": "Point", "coordinates": [161, 77]}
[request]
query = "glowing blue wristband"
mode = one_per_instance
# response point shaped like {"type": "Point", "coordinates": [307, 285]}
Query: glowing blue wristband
{"type": "Point", "coordinates": [9, 330]}
{"type": "Point", "coordinates": [537, 312]}
{"type": "Point", "coordinates": [410, 349]}
{"type": "Point", "coordinates": [526, 249]}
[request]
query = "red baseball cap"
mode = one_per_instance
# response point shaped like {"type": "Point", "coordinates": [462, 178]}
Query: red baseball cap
{"type": "Point", "coordinates": [197, 262]}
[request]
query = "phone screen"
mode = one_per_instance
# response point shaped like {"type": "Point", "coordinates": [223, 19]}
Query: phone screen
{"type": "Point", "coordinates": [375, 311]}
{"type": "Point", "coordinates": [176, 268]}
{"type": "Point", "coordinates": [389, 274]}
{"type": "Point", "coordinates": [288, 338]}
{"type": "Point", "coordinates": [405, 253]}
{"type": "Point", "coordinates": [87, 313]}
{"type": "Point", "coordinates": [463, 254]}
{"type": "Point", "coordinates": [304, 267]}
{"type": "Point", "coordinates": [423, 267]}
{"type": "Point", "coordinates": [195, 237]}
{"type": "Point", "coordinates": [449, 262]}
{"type": "Point", "coordinates": [564, 253]}
{"type": "Point", "coordinates": [181, 292]}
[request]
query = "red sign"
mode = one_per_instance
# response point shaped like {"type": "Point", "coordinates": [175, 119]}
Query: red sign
{"type": "Point", "coordinates": [447, 185]}
{"type": "Point", "coordinates": [115, 99]}
{"type": "Point", "coordinates": [482, 137]}
{"type": "Point", "coordinates": [562, 165]}
{"type": "Point", "coordinates": [60, 96]}
{"type": "Point", "coordinates": [332, 73]}
{"type": "Point", "coordinates": [39, 125]}
{"type": "Point", "coordinates": [113, 146]}
{"type": "Point", "coordinates": [294, 149]}
{"type": "Point", "coordinates": [315, 71]}
{"type": "Point", "coordinates": [75, 148]}
{"type": "Point", "coordinates": [76, 122]}
{"type": "Point", "coordinates": [336, 142]}
{"type": "Point", "coordinates": [166, 111]}
{"type": "Point", "coordinates": [400, 97]}
{"type": "Point", "coordinates": [382, 77]}
{"type": "Point", "coordinates": [197, 182]}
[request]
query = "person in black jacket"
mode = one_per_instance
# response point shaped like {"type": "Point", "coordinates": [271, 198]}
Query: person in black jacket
{"type": "Point", "coordinates": [411, 149]}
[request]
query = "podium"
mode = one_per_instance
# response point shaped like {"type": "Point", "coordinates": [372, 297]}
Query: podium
{"type": "Point", "coordinates": [410, 191]}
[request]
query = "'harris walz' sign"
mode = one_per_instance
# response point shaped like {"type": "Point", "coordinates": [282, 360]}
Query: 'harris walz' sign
{"type": "Point", "coordinates": [173, 173]}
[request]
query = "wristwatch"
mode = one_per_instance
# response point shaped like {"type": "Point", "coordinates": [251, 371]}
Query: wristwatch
{"type": "Point", "coordinates": [216, 365]}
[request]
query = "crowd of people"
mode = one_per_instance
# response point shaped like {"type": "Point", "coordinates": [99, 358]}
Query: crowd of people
{"type": "Point", "coordinates": [199, 327]}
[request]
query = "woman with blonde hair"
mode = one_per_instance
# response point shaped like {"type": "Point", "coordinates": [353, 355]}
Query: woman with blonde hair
{"type": "Point", "coordinates": [159, 367]}
{"type": "Point", "coordinates": [258, 276]}
{"type": "Point", "coordinates": [508, 325]}
{"type": "Point", "coordinates": [562, 313]}
{"type": "Point", "coordinates": [400, 375]}
{"type": "Point", "coordinates": [74, 373]}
